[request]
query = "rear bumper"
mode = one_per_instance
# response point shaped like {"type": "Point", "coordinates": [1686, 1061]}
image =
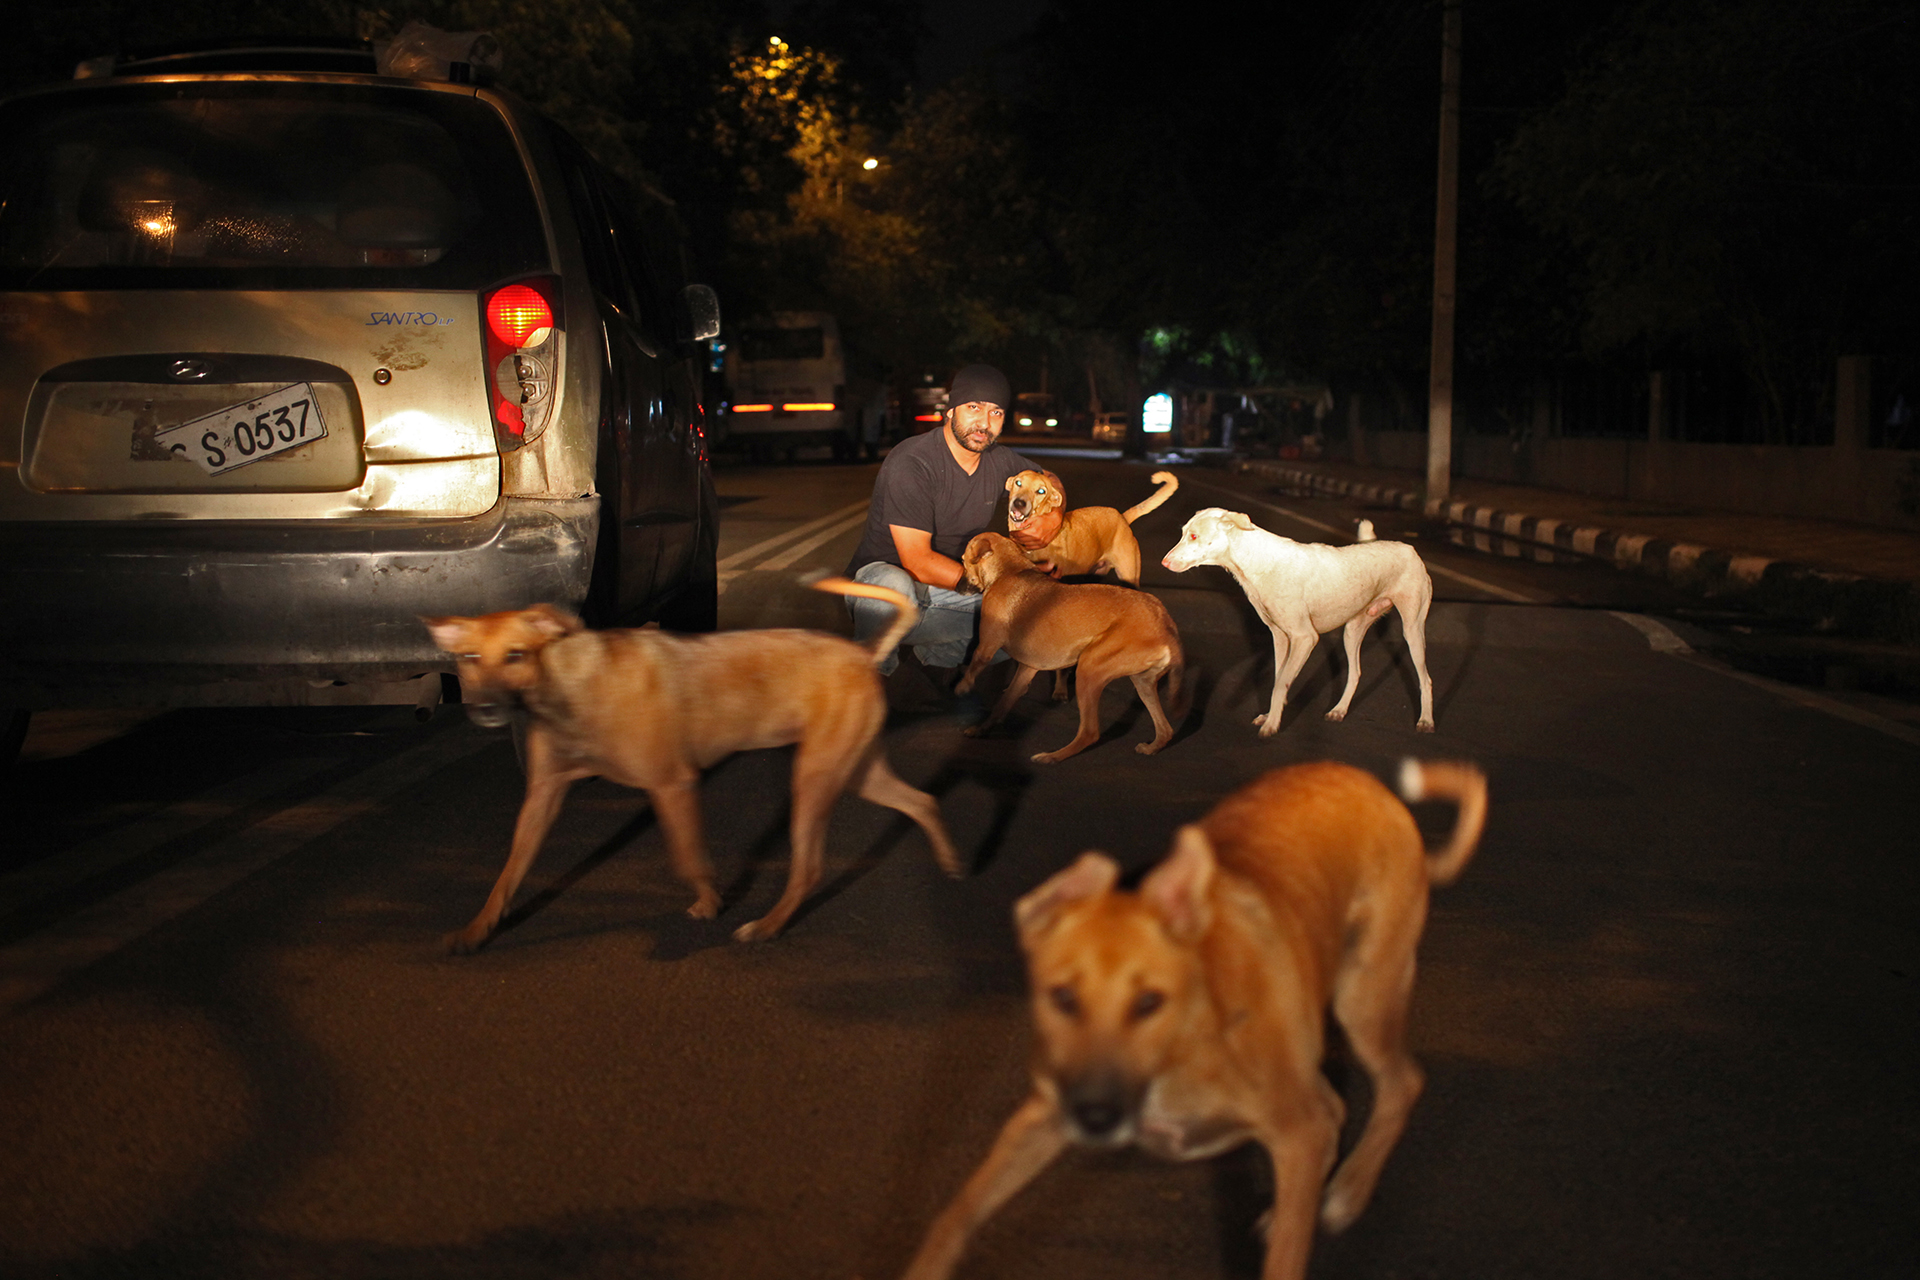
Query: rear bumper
{"type": "Point", "coordinates": [188, 613]}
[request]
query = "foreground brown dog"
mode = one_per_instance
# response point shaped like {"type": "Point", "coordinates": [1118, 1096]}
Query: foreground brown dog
{"type": "Point", "coordinates": [1103, 632]}
{"type": "Point", "coordinates": [1189, 1017]}
{"type": "Point", "coordinates": [1089, 539]}
{"type": "Point", "coordinates": [650, 709]}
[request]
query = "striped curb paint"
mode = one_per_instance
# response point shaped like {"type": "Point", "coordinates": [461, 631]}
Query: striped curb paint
{"type": "Point", "coordinates": [1851, 600]}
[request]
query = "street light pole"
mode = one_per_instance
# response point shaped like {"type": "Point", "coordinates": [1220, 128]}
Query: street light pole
{"type": "Point", "coordinates": [1445, 238]}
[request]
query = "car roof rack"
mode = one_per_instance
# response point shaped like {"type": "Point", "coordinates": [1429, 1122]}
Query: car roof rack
{"type": "Point", "coordinates": [255, 53]}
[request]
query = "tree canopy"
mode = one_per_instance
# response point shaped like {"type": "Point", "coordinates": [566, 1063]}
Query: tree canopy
{"type": "Point", "coordinates": [1644, 183]}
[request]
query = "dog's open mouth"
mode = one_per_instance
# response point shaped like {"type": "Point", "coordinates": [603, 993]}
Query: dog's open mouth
{"type": "Point", "coordinates": [1017, 512]}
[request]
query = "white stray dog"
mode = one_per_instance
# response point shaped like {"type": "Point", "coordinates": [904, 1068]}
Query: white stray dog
{"type": "Point", "coordinates": [1302, 590]}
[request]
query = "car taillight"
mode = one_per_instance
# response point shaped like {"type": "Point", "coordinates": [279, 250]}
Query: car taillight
{"type": "Point", "coordinates": [518, 316]}
{"type": "Point", "coordinates": [523, 357]}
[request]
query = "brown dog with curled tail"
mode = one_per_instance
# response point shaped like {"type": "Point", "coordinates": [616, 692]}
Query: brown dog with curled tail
{"type": "Point", "coordinates": [1084, 540]}
{"type": "Point", "coordinates": [1190, 1016]}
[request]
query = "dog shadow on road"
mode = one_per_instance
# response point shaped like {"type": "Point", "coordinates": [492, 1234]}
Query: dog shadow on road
{"type": "Point", "coordinates": [1006, 783]}
{"type": "Point", "coordinates": [538, 901]}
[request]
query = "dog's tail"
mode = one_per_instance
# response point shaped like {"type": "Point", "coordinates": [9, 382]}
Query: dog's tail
{"type": "Point", "coordinates": [1461, 783]}
{"type": "Point", "coordinates": [906, 613]}
{"type": "Point", "coordinates": [1366, 532]}
{"type": "Point", "coordinates": [1168, 482]}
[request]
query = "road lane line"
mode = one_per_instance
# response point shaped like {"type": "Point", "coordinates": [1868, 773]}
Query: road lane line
{"type": "Point", "coordinates": [1455, 575]}
{"type": "Point", "coordinates": [72, 867]}
{"type": "Point", "coordinates": [786, 558]}
{"type": "Point", "coordinates": [1662, 639]}
{"type": "Point", "coordinates": [768, 544]}
{"type": "Point", "coordinates": [43, 959]}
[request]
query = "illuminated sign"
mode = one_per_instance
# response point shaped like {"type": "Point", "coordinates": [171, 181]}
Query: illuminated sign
{"type": "Point", "coordinates": [1157, 414]}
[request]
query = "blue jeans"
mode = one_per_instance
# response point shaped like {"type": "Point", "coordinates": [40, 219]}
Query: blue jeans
{"type": "Point", "coordinates": [948, 619]}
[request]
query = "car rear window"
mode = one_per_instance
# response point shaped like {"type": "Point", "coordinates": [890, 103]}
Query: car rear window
{"type": "Point", "coordinates": [261, 185]}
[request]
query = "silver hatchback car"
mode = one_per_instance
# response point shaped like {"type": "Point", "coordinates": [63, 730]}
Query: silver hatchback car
{"type": "Point", "coordinates": [290, 358]}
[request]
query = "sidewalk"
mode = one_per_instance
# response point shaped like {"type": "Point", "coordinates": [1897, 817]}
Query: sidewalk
{"type": "Point", "coordinates": [1853, 579]}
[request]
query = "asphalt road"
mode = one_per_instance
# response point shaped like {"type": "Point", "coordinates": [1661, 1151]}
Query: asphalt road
{"type": "Point", "coordinates": [1667, 1014]}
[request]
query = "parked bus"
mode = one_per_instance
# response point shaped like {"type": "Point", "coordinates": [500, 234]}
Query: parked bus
{"type": "Point", "coordinates": [787, 385]}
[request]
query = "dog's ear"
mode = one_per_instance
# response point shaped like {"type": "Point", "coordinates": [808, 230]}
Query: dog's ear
{"type": "Point", "coordinates": [1013, 482]}
{"type": "Point", "coordinates": [448, 633]}
{"type": "Point", "coordinates": [553, 622]}
{"type": "Point", "coordinates": [1091, 876]}
{"type": "Point", "coordinates": [1180, 889]}
{"type": "Point", "coordinates": [1240, 519]}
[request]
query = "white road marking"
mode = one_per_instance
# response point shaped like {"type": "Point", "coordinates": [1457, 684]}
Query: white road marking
{"type": "Point", "coordinates": [41, 960]}
{"type": "Point", "coordinates": [823, 530]}
{"type": "Point", "coordinates": [1662, 640]}
{"type": "Point", "coordinates": [765, 545]}
{"type": "Point", "coordinates": [1453, 574]}
{"type": "Point", "coordinates": [793, 553]}
{"type": "Point", "coordinates": [1659, 636]}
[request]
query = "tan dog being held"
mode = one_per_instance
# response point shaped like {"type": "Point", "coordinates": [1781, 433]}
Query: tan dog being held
{"type": "Point", "coordinates": [1103, 632]}
{"type": "Point", "coordinates": [1088, 539]}
{"type": "Point", "coordinates": [650, 709]}
{"type": "Point", "coordinates": [1190, 1017]}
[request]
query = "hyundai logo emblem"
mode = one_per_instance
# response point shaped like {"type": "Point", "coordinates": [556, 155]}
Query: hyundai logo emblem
{"type": "Point", "coordinates": [189, 370]}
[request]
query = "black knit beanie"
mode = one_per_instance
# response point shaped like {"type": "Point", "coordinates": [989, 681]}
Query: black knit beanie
{"type": "Point", "coordinates": [981, 383]}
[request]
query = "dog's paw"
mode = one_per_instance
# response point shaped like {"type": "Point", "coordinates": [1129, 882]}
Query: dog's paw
{"type": "Point", "coordinates": [756, 931]}
{"type": "Point", "coordinates": [1047, 757]}
{"type": "Point", "coordinates": [974, 731]}
{"type": "Point", "coordinates": [1424, 726]}
{"type": "Point", "coordinates": [464, 942]}
{"type": "Point", "coordinates": [705, 907]}
{"type": "Point", "coordinates": [1336, 715]}
{"type": "Point", "coordinates": [1269, 725]}
{"type": "Point", "coordinates": [1338, 1210]}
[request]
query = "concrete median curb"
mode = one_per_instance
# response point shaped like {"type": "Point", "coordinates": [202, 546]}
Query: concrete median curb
{"type": "Point", "coordinates": [1845, 602]}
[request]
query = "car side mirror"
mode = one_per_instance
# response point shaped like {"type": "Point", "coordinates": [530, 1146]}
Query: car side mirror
{"type": "Point", "coordinates": [699, 313]}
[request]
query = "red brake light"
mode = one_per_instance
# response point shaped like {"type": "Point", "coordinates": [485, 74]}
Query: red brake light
{"type": "Point", "coordinates": [517, 313]}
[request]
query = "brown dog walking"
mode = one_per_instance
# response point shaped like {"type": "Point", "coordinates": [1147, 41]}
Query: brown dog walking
{"type": "Point", "coordinates": [1103, 632]}
{"type": "Point", "coordinates": [1189, 1017]}
{"type": "Point", "coordinates": [650, 709]}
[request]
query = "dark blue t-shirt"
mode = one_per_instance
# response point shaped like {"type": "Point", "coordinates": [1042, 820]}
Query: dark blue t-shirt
{"type": "Point", "coordinates": [920, 486]}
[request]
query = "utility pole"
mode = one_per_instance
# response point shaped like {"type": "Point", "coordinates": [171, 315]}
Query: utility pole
{"type": "Point", "coordinates": [1446, 220]}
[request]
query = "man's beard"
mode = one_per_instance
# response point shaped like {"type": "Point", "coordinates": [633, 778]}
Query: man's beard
{"type": "Point", "coordinates": [960, 436]}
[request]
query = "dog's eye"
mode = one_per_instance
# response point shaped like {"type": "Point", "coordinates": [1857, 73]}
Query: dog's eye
{"type": "Point", "coordinates": [466, 657]}
{"type": "Point", "coordinates": [1065, 1001]}
{"type": "Point", "coordinates": [1146, 1004]}
{"type": "Point", "coordinates": [515, 655]}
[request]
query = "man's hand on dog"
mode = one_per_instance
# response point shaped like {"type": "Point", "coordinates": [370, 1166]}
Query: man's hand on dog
{"type": "Point", "coordinates": [1038, 531]}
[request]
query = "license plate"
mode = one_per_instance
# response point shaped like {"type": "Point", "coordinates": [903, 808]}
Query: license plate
{"type": "Point", "coordinates": [242, 433]}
